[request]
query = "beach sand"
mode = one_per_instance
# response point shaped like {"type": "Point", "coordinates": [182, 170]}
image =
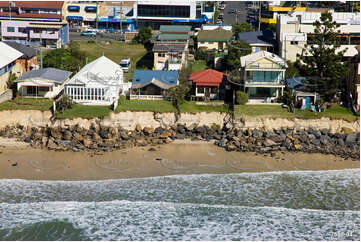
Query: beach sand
{"type": "Point", "coordinates": [18, 161]}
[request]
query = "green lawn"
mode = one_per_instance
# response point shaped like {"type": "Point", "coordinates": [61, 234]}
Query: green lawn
{"type": "Point", "coordinates": [82, 111]}
{"type": "Point", "coordinates": [41, 104]}
{"type": "Point", "coordinates": [199, 65]}
{"type": "Point", "coordinates": [166, 106]}
{"type": "Point", "coordinates": [276, 111]}
{"type": "Point", "coordinates": [115, 51]}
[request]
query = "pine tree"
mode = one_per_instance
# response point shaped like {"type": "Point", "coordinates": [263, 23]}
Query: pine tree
{"type": "Point", "coordinates": [321, 59]}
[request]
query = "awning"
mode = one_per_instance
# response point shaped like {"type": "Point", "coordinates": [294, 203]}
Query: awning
{"type": "Point", "coordinates": [73, 8]}
{"type": "Point", "coordinates": [35, 84]}
{"type": "Point", "coordinates": [90, 9]}
{"type": "Point", "coordinates": [45, 26]}
{"type": "Point", "coordinates": [114, 20]}
{"type": "Point", "coordinates": [79, 18]}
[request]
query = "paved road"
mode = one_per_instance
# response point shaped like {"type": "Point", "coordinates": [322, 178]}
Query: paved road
{"type": "Point", "coordinates": [240, 7]}
{"type": "Point", "coordinates": [102, 36]}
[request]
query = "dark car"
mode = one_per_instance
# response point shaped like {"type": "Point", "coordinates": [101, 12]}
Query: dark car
{"type": "Point", "coordinates": [232, 11]}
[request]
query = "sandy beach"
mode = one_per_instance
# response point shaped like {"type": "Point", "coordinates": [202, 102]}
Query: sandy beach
{"type": "Point", "coordinates": [18, 161]}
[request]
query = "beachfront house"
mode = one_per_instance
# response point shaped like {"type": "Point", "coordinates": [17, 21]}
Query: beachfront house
{"type": "Point", "coordinates": [152, 85]}
{"type": "Point", "coordinates": [28, 61]}
{"type": "Point", "coordinates": [8, 57]}
{"type": "Point", "coordinates": [263, 76]}
{"type": "Point", "coordinates": [97, 83]}
{"type": "Point", "coordinates": [42, 83]}
{"type": "Point", "coordinates": [259, 40]}
{"type": "Point", "coordinates": [207, 84]}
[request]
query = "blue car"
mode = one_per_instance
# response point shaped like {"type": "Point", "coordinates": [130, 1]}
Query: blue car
{"type": "Point", "coordinates": [89, 33]}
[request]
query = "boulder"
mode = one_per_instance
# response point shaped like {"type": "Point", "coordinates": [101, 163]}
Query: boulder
{"type": "Point", "coordinates": [269, 142]}
{"type": "Point", "coordinates": [165, 135]}
{"type": "Point", "coordinates": [67, 135]}
{"type": "Point", "coordinates": [148, 131]}
{"type": "Point", "coordinates": [104, 134]}
{"type": "Point", "coordinates": [351, 138]}
{"type": "Point", "coordinates": [138, 128]}
{"type": "Point", "coordinates": [27, 140]}
{"type": "Point", "coordinates": [158, 130]}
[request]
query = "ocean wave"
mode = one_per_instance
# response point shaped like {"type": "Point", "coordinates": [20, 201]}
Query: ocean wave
{"type": "Point", "coordinates": [325, 190]}
{"type": "Point", "coordinates": [127, 220]}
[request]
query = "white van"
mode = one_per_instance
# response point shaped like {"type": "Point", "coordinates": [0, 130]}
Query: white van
{"type": "Point", "coordinates": [125, 64]}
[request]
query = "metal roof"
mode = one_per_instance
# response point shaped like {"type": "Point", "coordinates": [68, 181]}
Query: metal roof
{"type": "Point", "coordinates": [162, 79]}
{"type": "Point", "coordinates": [253, 57]}
{"type": "Point", "coordinates": [264, 38]}
{"type": "Point", "coordinates": [27, 51]}
{"type": "Point", "coordinates": [175, 28]}
{"type": "Point", "coordinates": [173, 37]}
{"type": "Point", "coordinates": [214, 35]}
{"type": "Point", "coordinates": [51, 74]}
{"type": "Point", "coordinates": [168, 48]}
{"type": "Point", "coordinates": [8, 54]}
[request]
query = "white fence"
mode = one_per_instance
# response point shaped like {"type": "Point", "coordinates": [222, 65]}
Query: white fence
{"type": "Point", "coordinates": [146, 97]}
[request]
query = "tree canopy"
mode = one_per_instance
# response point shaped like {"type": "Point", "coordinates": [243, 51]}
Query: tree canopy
{"type": "Point", "coordinates": [144, 35]}
{"type": "Point", "coordinates": [238, 27]}
{"type": "Point", "coordinates": [232, 60]}
{"type": "Point", "coordinates": [70, 59]}
{"type": "Point", "coordinates": [321, 59]}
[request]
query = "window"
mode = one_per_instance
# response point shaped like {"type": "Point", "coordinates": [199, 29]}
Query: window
{"type": "Point", "coordinates": [200, 89]}
{"type": "Point", "coordinates": [43, 89]}
{"type": "Point", "coordinates": [11, 29]}
{"type": "Point", "coordinates": [37, 31]}
{"type": "Point", "coordinates": [161, 54]}
{"type": "Point", "coordinates": [163, 11]}
{"type": "Point", "coordinates": [214, 90]}
{"type": "Point", "coordinates": [294, 42]}
{"type": "Point", "coordinates": [22, 30]}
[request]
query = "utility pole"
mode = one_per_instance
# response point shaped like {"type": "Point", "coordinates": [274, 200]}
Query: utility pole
{"type": "Point", "coordinates": [41, 53]}
{"type": "Point", "coordinates": [259, 16]}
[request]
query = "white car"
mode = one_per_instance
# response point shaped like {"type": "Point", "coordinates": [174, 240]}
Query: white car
{"type": "Point", "coordinates": [125, 64]}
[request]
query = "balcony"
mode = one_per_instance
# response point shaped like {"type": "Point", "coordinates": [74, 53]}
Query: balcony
{"type": "Point", "coordinates": [256, 83]}
{"type": "Point", "coordinates": [251, 65]}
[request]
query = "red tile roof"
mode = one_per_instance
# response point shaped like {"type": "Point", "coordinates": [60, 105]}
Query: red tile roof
{"type": "Point", "coordinates": [34, 4]}
{"type": "Point", "coordinates": [207, 77]}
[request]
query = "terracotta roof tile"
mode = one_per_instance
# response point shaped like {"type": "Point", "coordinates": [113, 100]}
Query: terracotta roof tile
{"type": "Point", "coordinates": [35, 4]}
{"type": "Point", "coordinates": [208, 77]}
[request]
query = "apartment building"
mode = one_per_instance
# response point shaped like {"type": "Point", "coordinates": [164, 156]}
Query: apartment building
{"type": "Point", "coordinates": [295, 29]}
{"type": "Point", "coordinates": [80, 14]}
{"type": "Point", "coordinates": [161, 12]}
{"type": "Point", "coordinates": [34, 23]}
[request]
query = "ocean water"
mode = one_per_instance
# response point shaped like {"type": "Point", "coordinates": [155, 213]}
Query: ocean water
{"type": "Point", "coordinates": [298, 205]}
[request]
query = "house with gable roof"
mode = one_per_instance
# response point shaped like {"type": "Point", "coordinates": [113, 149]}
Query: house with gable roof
{"type": "Point", "coordinates": [263, 75]}
{"type": "Point", "coordinates": [98, 83]}
{"type": "Point", "coordinates": [152, 85]}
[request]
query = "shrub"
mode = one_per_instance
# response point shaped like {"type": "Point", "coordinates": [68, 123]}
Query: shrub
{"type": "Point", "coordinates": [241, 98]}
{"type": "Point", "coordinates": [122, 100]}
{"type": "Point", "coordinates": [91, 42]}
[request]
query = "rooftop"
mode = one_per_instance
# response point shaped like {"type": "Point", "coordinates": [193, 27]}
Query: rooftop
{"type": "Point", "coordinates": [253, 57]}
{"type": "Point", "coordinates": [162, 79]}
{"type": "Point", "coordinates": [52, 74]}
{"type": "Point", "coordinates": [173, 37]}
{"type": "Point", "coordinates": [175, 28]}
{"type": "Point", "coordinates": [264, 37]}
{"type": "Point", "coordinates": [218, 34]}
{"type": "Point", "coordinates": [208, 77]}
{"type": "Point", "coordinates": [8, 54]}
{"type": "Point", "coordinates": [34, 4]}
{"type": "Point", "coordinates": [27, 51]}
{"type": "Point", "coordinates": [169, 47]}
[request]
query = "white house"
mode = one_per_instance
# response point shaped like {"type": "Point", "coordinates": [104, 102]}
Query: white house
{"type": "Point", "coordinates": [8, 57]}
{"type": "Point", "coordinates": [98, 83]}
{"type": "Point", "coordinates": [47, 82]}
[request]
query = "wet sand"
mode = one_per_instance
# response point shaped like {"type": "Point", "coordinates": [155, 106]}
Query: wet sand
{"type": "Point", "coordinates": [180, 158]}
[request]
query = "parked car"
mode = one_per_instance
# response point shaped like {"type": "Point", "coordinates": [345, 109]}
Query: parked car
{"type": "Point", "coordinates": [231, 11]}
{"type": "Point", "coordinates": [125, 64]}
{"type": "Point", "coordinates": [89, 33]}
{"type": "Point", "coordinates": [219, 22]}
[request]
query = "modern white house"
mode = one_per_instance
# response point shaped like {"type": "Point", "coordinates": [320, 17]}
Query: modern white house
{"type": "Point", "coordinates": [263, 75]}
{"type": "Point", "coordinates": [97, 83]}
{"type": "Point", "coordinates": [295, 29]}
{"type": "Point", "coordinates": [42, 83]}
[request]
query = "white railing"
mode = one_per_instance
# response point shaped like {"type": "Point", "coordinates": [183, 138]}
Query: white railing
{"type": "Point", "coordinates": [146, 97]}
